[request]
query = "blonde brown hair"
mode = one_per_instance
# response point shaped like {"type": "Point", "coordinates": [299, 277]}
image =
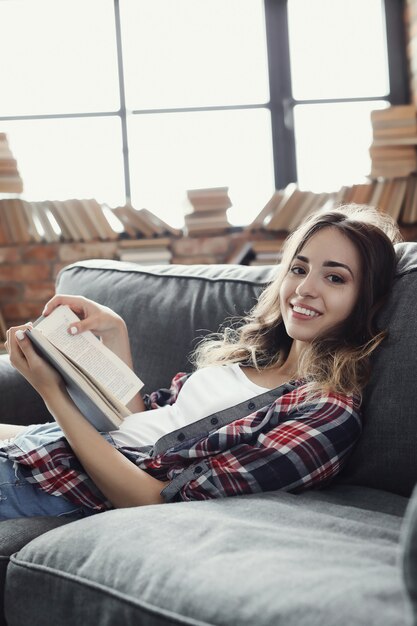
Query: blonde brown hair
{"type": "Point", "coordinates": [339, 361]}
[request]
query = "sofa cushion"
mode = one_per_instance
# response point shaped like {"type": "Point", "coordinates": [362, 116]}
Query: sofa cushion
{"type": "Point", "coordinates": [409, 551]}
{"type": "Point", "coordinates": [20, 403]}
{"type": "Point", "coordinates": [318, 558]}
{"type": "Point", "coordinates": [385, 456]}
{"type": "Point", "coordinates": [14, 534]}
{"type": "Point", "coordinates": [166, 307]}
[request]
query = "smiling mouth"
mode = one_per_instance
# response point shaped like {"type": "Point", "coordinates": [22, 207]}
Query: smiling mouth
{"type": "Point", "coordinates": [300, 310]}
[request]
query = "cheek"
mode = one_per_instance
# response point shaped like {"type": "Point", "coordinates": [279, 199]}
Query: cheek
{"type": "Point", "coordinates": [344, 306]}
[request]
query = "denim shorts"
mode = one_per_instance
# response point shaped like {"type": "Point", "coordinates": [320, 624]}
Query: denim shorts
{"type": "Point", "coordinates": [20, 498]}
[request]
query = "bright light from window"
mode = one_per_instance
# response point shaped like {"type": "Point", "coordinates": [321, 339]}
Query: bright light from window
{"type": "Point", "coordinates": [60, 159]}
{"type": "Point", "coordinates": [338, 49]}
{"type": "Point", "coordinates": [171, 153]}
{"type": "Point", "coordinates": [332, 143]}
{"type": "Point", "coordinates": [194, 53]}
{"type": "Point", "coordinates": [57, 57]}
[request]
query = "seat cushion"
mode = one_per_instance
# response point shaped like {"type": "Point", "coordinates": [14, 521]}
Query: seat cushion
{"type": "Point", "coordinates": [324, 557]}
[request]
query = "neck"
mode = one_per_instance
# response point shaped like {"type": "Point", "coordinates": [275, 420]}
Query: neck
{"type": "Point", "coordinates": [291, 363]}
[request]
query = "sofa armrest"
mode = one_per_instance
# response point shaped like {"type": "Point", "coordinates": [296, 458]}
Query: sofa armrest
{"type": "Point", "coordinates": [20, 403]}
{"type": "Point", "coordinates": [409, 551]}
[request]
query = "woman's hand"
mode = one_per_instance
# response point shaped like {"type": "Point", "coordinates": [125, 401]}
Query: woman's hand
{"type": "Point", "coordinates": [101, 320]}
{"type": "Point", "coordinates": [42, 376]}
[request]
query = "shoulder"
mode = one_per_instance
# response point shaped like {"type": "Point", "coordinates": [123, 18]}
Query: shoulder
{"type": "Point", "coordinates": [327, 404]}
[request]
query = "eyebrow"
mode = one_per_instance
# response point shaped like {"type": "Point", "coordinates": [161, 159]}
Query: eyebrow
{"type": "Point", "coordinates": [327, 263]}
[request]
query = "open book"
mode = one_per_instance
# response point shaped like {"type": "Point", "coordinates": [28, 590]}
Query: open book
{"type": "Point", "coordinates": [98, 381]}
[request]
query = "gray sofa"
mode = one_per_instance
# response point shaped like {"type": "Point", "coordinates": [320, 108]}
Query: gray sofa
{"type": "Point", "coordinates": [344, 555]}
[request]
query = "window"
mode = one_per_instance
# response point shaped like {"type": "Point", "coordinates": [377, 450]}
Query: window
{"type": "Point", "coordinates": [144, 99]}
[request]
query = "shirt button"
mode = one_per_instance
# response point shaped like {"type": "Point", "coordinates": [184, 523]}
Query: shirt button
{"type": "Point", "coordinates": [214, 420]}
{"type": "Point", "coordinates": [181, 437]}
{"type": "Point", "coordinates": [251, 406]}
{"type": "Point", "coordinates": [198, 469]}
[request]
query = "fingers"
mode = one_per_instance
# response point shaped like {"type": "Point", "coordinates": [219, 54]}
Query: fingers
{"type": "Point", "coordinates": [17, 344]}
{"type": "Point", "coordinates": [76, 303]}
{"type": "Point", "coordinates": [89, 323]}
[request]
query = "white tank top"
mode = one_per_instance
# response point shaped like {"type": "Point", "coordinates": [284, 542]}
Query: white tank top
{"type": "Point", "coordinates": [207, 391]}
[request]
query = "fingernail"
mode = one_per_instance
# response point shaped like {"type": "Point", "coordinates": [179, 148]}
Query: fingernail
{"type": "Point", "coordinates": [73, 330]}
{"type": "Point", "coordinates": [20, 335]}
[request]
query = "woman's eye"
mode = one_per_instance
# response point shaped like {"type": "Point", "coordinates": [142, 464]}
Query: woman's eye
{"type": "Point", "coordinates": [334, 278]}
{"type": "Point", "coordinates": [296, 269]}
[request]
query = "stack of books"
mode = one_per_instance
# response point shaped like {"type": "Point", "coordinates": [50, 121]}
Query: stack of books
{"type": "Point", "coordinates": [209, 211]}
{"type": "Point", "coordinates": [393, 149]}
{"type": "Point", "coordinates": [155, 251]}
{"type": "Point", "coordinates": [10, 180]}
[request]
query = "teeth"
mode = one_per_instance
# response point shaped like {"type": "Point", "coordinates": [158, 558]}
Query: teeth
{"type": "Point", "coordinates": [299, 309]}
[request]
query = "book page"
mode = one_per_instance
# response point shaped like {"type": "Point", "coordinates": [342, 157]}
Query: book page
{"type": "Point", "coordinates": [90, 353]}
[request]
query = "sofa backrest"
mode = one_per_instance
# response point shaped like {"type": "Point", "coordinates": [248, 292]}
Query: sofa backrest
{"type": "Point", "coordinates": [386, 455]}
{"type": "Point", "coordinates": [167, 308]}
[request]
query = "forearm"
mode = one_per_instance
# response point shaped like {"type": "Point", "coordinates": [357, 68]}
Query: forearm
{"type": "Point", "coordinates": [122, 482]}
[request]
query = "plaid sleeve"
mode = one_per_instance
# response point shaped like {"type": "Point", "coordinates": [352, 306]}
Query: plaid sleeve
{"type": "Point", "coordinates": [308, 449]}
{"type": "Point", "coordinates": [162, 397]}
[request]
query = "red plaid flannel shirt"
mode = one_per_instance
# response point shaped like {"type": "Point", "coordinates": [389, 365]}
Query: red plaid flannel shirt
{"type": "Point", "coordinates": [291, 444]}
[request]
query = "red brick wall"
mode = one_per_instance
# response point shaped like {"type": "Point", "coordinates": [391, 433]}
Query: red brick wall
{"type": "Point", "coordinates": [28, 271]}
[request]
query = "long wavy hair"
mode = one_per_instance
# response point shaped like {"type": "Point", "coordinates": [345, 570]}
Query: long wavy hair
{"type": "Point", "coordinates": [340, 360]}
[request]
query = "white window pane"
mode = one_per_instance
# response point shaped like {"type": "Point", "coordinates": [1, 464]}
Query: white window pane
{"type": "Point", "coordinates": [332, 144]}
{"type": "Point", "coordinates": [69, 158]}
{"type": "Point", "coordinates": [337, 48]}
{"type": "Point", "coordinates": [171, 153]}
{"type": "Point", "coordinates": [194, 52]}
{"type": "Point", "coordinates": [57, 57]}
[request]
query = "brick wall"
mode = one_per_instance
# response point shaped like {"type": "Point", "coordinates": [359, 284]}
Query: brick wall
{"type": "Point", "coordinates": [28, 271]}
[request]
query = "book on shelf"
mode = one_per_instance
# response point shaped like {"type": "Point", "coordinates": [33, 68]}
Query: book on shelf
{"type": "Point", "coordinates": [266, 213]}
{"type": "Point", "coordinates": [268, 252]}
{"type": "Point", "coordinates": [160, 227]}
{"type": "Point", "coordinates": [409, 214]}
{"type": "Point", "coordinates": [98, 381]}
{"type": "Point", "coordinates": [393, 150]}
{"type": "Point", "coordinates": [242, 254]}
{"type": "Point", "coordinates": [133, 223]}
{"type": "Point", "coordinates": [208, 199]}
{"type": "Point", "coordinates": [201, 223]}
{"type": "Point", "coordinates": [3, 328]}
{"type": "Point", "coordinates": [146, 251]}
{"type": "Point", "coordinates": [62, 214]}
{"type": "Point", "coordinates": [50, 235]}
{"type": "Point", "coordinates": [10, 180]}
{"type": "Point", "coordinates": [33, 227]}
{"type": "Point", "coordinates": [79, 216]}
{"type": "Point", "coordinates": [209, 211]}
{"type": "Point", "coordinates": [98, 215]}
{"type": "Point", "coordinates": [153, 256]}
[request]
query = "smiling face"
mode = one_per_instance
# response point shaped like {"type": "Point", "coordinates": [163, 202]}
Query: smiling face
{"type": "Point", "coordinates": [321, 287]}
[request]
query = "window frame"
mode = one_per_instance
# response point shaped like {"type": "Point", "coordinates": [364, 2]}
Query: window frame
{"type": "Point", "coordinates": [281, 103]}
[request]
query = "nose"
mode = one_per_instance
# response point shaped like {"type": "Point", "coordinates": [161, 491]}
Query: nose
{"type": "Point", "coordinates": [307, 287]}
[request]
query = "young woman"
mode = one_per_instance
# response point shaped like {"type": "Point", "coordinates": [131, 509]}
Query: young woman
{"type": "Point", "coordinates": [273, 404]}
